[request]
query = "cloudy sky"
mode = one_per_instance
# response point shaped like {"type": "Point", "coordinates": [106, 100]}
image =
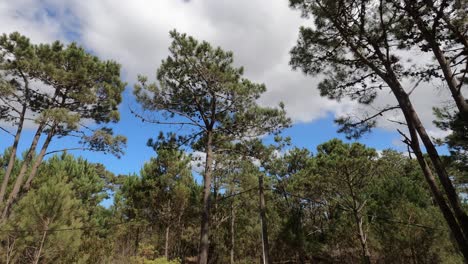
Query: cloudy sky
{"type": "Point", "coordinates": [259, 32]}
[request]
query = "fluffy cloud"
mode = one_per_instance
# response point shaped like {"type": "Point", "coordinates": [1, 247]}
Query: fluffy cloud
{"type": "Point", "coordinates": [135, 33]}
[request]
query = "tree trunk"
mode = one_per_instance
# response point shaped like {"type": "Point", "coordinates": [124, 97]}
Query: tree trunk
{"type": "Point", "coordinates": [11, 241]}
{"type": "Point", "coordinates": [205, 218]}
{"type": "Point", "coordinates": [13, 198]}
{"type": "Point", "coordinates": [233, 219]}
{"type": "Point", "coordinates": [263, 222]}
{"type": "Point", "coordinates": [413, 122]}
{"type": "Point", "coordinates": [413, 119]}
{"type": "Point", "coordinates": [11, 162]}
{"type": "Point", "coordinates": [449, 77]}
{"type": "Point", "coordinates": [457, 219]}
{"type": "Point", "coordinates": [357, 208]}
{"type": "Point", "coordinates": [462, 105]}
{"type": "Point", "coordinates": [362, 237]}
{"type": "Point", "coordinates": [37, 256]}
{"type": "Point", "coordinates": [166, 245]}
{"type": "Point", "coordinates": [438, 196]}
{"type": "Point", "coordinates": [24, 168]}
{"type": "Point", "coordinates": [137, 241]}
{"type": "Point", "coordinates": [39, 159]}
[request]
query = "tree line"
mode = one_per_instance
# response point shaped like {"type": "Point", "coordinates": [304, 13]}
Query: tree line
{"type": "Point", "coordinates": [273, 203]}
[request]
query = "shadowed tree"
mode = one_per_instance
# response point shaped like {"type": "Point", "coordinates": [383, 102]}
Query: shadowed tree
{"type": "Point", "coordinates": [439, 27]}
{"type": "Point", "coordinates": [199, 87]}
{"type": "Point", "coordinates": [354, 43]}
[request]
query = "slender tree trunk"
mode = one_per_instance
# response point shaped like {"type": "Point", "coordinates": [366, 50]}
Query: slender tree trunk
{"type": "Point", "coordinates": [166, 244]}
{"type": "Point", "coordinates": [452, 196]}
{"type": "Point", "coordinates": [460, 35]}
{"type": "Point", "coordinates": [233, 219]}
{"type": "Point", "coordinates": [205, 218]}
{"type": "Point", "coordinates": [214, 206]}
{"type": "Point", "coordinates": [11, 162]}
{"type": "Point", "coordinates": [23, 170]}
{"type": "Point", "coordinates": [263, 222]}
{"type": "Point", "coordinates": [13, 198]}
{"type": "Point", "coordinates": [414, 122]}
{"type": "Point", "coordinates": [462, 106]}
{"type": "Point", "coordinates": [14, 148]}
{"type": "Point", "coordinates": [37, 256]}
{"type": "Point", "coordinates": [137, 241]}
{"type": "Point", "coordinates": [437, 194]}
{"type": "Point", "coordinates": [362, 237]}
{"type": "Point", "coordinates": [451, 80]}
{"type": "Point", "coordinates": [39, 159]}
{"type": "Point", "coordinates": [10, 249]}
{"type": "Point", "coordinates": [357, 208]}
{"type": "Point", "coordinates": [456, 219]}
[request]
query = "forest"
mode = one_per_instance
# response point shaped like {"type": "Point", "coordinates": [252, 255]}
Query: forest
{"type": "Point", "coordinates": [225, 184]}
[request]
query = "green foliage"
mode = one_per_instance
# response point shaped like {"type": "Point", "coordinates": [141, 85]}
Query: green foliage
{"type": "Point", "coordinates": [64, 200]}
{"type": "Point", "coordinates": [60, 86]}
{"type": "Point", "coordinates": [40, 215]}
{"type": "Point", "coordinates": [200, 85]}
{"type": "Point", "coordinates": [330, 207]}
{"type": "Point", "coordinates": [163, 197]}
{"type": "Point", "coordinates": [457, 140]}
{"type": "Point", "coordinates": [309, 210]}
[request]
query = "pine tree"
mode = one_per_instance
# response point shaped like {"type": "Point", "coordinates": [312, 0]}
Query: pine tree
{"type": "Point", "coordinates": [199, 87]}
{"type": "Point", "coordinates": [59, 87]}
{"type": "Point", "coordinates": [354, 43]}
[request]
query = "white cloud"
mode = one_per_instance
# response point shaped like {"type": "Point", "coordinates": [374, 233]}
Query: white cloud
{"type": "Point", "coordinates": [34, 19]}
{"type": "Point", "coordinates": [197, 163]}
{"type": "Point", "coordinates": [260, 32]}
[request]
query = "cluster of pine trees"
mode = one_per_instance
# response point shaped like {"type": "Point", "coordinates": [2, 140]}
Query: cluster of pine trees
{"type": "Point", "coordinates": [248, 201]}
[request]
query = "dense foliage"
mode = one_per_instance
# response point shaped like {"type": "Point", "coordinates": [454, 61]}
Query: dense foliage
{"type": "Point", "coordinates": [337, 206]}
{"type": "Point", "coordinates": [220, 193]}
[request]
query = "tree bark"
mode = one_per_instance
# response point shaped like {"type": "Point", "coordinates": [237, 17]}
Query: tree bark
{"type": "Point", "coordinates": [39, 159]}
{"type": "Point", "coordinates": [413, 120]}
{"type": "Point", "coordinates": [357, 208]}
{"type": "Point", "coordinates": [362, 238]}
{"type": "Point", "coordinates": [233, 219]}
{"type": "Point", "coordinates": [24, 168]}
{"type": "Point", "coordinates": [437, 194]}
{"type": "Point", "coordinates": [11, 162]}
{"type": "Point", "coordinates": [166, 244]}
{"type": "Point", "coordinates": [205, 218]}
{"type": "Point", "coordinates": [13, 198]}
{"type": "Point", "coordinates": [462, 106]}
{"type": "Point", "coordinates": [414, 123]}
{"type": "Point", "coordinates": [263, 222]}
{"type": "Point", "coordinates": [459, 226]}
{"type": "Point", "coordinates": [449, 77]}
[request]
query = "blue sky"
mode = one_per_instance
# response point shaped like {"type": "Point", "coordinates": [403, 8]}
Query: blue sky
{"type": "Point", "coordinates": [135, 33]}
{"type": "Point", "coordinates": [306, 135]}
